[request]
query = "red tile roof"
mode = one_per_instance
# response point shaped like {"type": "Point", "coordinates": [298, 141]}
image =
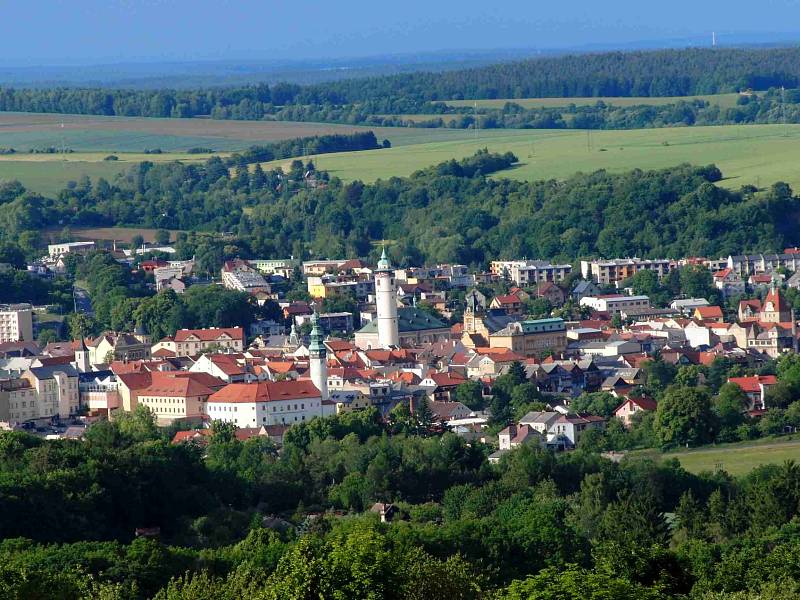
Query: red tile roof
{"type": "Point", "coordinates": [709, 312]}
{"type": "Point", "coordinates": [446, 379]}
{"type": "Point", "coordinates": [266, 391]}
{"type": "Point", "coordinates": [210, 334]}
{"type": "Point", "coordinates": [510, 299]}
{"type": "Point", "coordinates": [750, 385]}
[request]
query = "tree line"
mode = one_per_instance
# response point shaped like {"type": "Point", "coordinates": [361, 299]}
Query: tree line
{"type": "Point", "coordinates": [674, 72]}
{"type": "Point", "coordinates": [466, 217]}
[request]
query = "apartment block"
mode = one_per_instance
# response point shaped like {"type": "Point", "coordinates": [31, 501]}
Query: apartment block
{"type": "Point", "coordinates": [530, 272]}
{"type": "Point", "coordinates": [611, 272]}
{"type": "Point", "coordinates": [16, 323]}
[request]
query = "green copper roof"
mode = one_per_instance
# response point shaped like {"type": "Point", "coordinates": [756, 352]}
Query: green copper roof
{"type": "Point", "coordinates": [383, 263]}
{"type": "Point", "coordinates": [409, 319]}
{"type": "Point", "coordinates": [542, 325]}
{"type": "Point", "coordinates": [316, 344]}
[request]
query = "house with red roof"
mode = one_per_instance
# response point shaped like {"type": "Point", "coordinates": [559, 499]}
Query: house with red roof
{"type": "Point", "coordinates": [709, 314]}
{"type": "Point", "coordinates": [231, 368]}
{"type": "Point", "coordinates": [190, 342]}
{"type": "Point", "coordinates": [728, 282]}
{"type": "Point", "coordinates": [512, 304]}
{"type": "Point", "coordinates": [268, 403]}
{"type": "Point", "coordinates": [749, 309]}
{"type": "Point", "coordinates": [632, 405]}
{"type": "Point", "coordinates": [755, 388]}
{"type": "Point", "coordinates": [441, 386]}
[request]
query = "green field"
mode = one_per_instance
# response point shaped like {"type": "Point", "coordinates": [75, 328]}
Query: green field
{"type": "Point", "coordinates": [747, 154]}
{"type": "Point", "coordinates": [738, 459]}
{"type": "Point", "coordinates": [723, 100]}
{"type": "Point", "coordinates": [92, 138]}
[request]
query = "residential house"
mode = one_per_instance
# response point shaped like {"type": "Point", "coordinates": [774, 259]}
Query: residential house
{"type": "Point", "coordinates": [512, 304]}
{"type": "Point", "coordinates": [632, 405]}
{"type": "Point", "coordinates": [550, 292]}
{"type": "Point", "coordinates": [190, 342]}
{"type": "Point", "coordinates": [755, 388]}
{"type": "Point", "coordinates": [583, 289]}
{"type": "Point", "coordinates": [709, 314]}
{"type": "Point", "coordinates": [571, 427]}
{"type": "Point", "coordinates": [56, 389]}
{"type": "Point", "coordinates": [729, 283]}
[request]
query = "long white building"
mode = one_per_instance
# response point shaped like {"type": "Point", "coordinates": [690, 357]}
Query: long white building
{"type": "Point", "coordinates": [268, 403]}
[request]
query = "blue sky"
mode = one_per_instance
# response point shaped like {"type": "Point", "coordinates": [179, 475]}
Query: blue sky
{"type": "Point", "coordinates": [70, 31]}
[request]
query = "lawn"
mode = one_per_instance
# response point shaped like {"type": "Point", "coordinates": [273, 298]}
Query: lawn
{"type": "Point", "coordinates": [738, 459]}
{"type": "Point", "coordinates": [747, 154]}
{"type": "Point", "coordinates": [723, 100]}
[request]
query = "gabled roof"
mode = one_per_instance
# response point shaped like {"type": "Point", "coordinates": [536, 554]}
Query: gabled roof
{"type": "Point", "coordinates": [752, 385]}
{"type": "Point", "coordinates": [211, 334]}
{"type": "Point", "coordinates": [446, 379]}
{"type": "Point", "coordinates": [266, 391]}
{"type": "Point", "coordinates": [180, 384]}
{"type": "Point", "coordinates": [643, 402]}
{"type": "Point", "coordinates": [509, 299]}
{"type": "Point", "coordinates": [708, 312]}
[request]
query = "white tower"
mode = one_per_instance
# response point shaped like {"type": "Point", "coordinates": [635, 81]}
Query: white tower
{"type": "Point", "coordinates": [386, 304]}
{"type": "Point", "coordinates": [317, 359]}
{"type": "Point", "coordinates": [82, 363]}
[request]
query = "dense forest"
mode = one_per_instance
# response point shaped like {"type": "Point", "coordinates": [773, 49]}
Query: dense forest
{"type": "Point", "coordinates": [451, 212]}
{"type": "Point", "coordinates": [661, 73]}
{"type": "Point", "coordinates": [240, 520]}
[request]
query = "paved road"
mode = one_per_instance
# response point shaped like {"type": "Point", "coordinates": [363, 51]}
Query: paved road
{"type": "Point", "coordinates": [83, 303]}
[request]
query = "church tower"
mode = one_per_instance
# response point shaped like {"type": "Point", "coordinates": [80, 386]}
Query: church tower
{"type": "Point", "coordinates": [82, 362]}
{"type": "Point", "coordinates": [386, 304]}
{"type": "Point", "coordinates": [317, 357]}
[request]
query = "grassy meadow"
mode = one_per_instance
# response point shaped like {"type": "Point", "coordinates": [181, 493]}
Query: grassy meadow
{"type": "Point", "coordinates": [723, 100]}
{"type": "Point", "coordinates": [747, 154]}
{"type": "Point", "coordinates": [738, 459]}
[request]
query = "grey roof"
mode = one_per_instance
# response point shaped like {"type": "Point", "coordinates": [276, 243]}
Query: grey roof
{"type": "Point", "coordinates": [583, 286]}
{"type": "Point", "coordinates": [47, 372]}
{"type": "Point", "coordinates": [543, 417]}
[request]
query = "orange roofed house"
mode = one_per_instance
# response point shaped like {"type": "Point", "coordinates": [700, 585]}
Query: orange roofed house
{"type": "Point", "coordinates": [177, 395]}
{"type": "Point", "coordinates": [268, 403]}
{"type": "Point", "coordinates": [189, 342]}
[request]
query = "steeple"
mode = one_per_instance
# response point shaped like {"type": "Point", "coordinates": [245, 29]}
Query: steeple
{"type": "Point", "coordinates": [294, 340]}
{"type": "Point", "coordinates": [383, 263]}
{"type": "Point", "coordinates": [318, 364]}
{"type": "Point", "coordinates": [82, 362]}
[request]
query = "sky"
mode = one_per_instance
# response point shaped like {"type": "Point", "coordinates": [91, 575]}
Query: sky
{"type": "Point", "coordinates": [102, 31]}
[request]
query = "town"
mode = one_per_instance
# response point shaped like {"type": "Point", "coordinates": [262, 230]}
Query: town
{"type": "Point", "coordinates": [585, 344]}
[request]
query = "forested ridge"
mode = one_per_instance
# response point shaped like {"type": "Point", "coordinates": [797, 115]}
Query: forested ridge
{"type": "Point", "coordinates": [656, 73]}
{"type": "Point", "coordinates": [449, 212]}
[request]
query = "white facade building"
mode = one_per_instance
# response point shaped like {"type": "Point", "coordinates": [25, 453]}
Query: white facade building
{"type": "Point", "coordinates": [386, 304]}
{"type": "Point", "coordinates": [268, 403]}
{"type": "Point", "coordinates": [16, 323]}
{"type": "Point", "coordinates": [615, 304]}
